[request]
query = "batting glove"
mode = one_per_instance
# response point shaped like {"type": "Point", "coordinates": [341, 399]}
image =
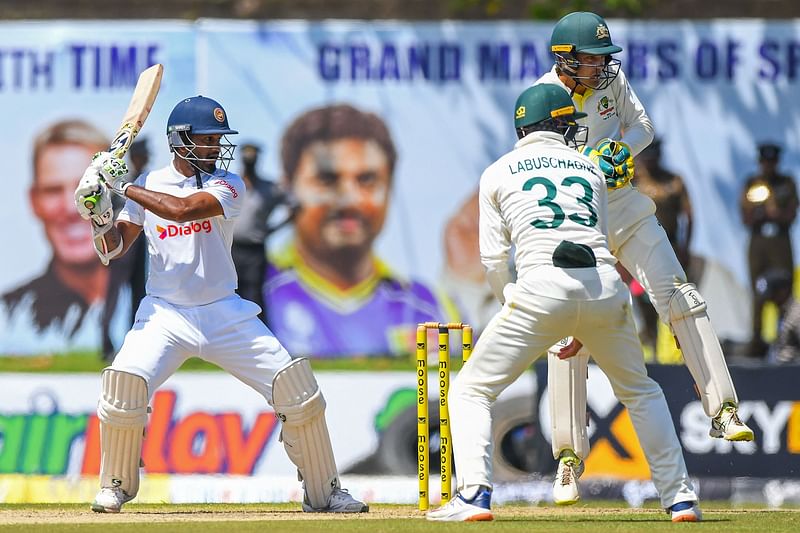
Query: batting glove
{"type": "Point", "coordinates": [93, 199]}
{"type": "Point", "coordinates": [112, 170]}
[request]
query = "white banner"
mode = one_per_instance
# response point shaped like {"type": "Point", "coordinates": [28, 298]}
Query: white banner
{"type": "Point", "coordinates": [445, 91]}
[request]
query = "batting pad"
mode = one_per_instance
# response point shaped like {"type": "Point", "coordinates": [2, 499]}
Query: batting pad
{"type": "Point", "coordinates": [298, 402]}
{"type": "Point", "coordinates": [566, 391]}
{"type": "Point", "coordinates": [700, 348]}
{"type": "Point", "coordinates": [122, 411]}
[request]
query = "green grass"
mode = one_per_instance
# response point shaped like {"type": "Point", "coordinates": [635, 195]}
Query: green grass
{"type": "Point", "coordinates": [593, 516]}
{"type": "Point", "coordinates": [92, 362]}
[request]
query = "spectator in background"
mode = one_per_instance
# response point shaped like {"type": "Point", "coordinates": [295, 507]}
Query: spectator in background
{"type": "Point", "coordinates": [775, 285]}
{"type": "Point", "coordinates": [253, 227]}
{"type": "Point", "coordinates": [59, 309]}
{"type": "Point", "coordinates": [131, 269]}
{"type": "Point", "coordinates": [769, 206]}
{"type": "Point", "coordinates": [674, 213]}
{"type": "Point", "coordinates": [326, 292]}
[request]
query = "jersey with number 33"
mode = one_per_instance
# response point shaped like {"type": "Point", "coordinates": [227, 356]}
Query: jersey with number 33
{"type": "Point", "coordinates": [537, 196]}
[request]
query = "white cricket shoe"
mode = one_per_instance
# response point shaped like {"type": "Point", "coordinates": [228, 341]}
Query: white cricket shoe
{"type": "Point", "coordinates": [460, 509]}
{"type": "Point", "coordinates": [685, 512]}
{"type": "Point", "coordinates": [727, 425]}
{"type": "Point", "coordinates": [340, 502]}
{"type": "Point", "coordinates": [110, 500]}
{"type": "Point", "coordinates": [565, 486]}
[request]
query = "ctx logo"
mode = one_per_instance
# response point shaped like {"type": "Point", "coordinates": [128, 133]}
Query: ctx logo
{"type": "Point", "coordinates": [173, 230]}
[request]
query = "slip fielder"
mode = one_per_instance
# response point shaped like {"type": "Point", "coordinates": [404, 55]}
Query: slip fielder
{"type": "Point", "coordinates": [550, 202]}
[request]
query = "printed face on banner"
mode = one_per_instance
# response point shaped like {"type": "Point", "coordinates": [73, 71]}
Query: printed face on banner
{"type": "Point", "coordinates": [343, 190]}
{"type": "Point", "coordinates": [58, 171]}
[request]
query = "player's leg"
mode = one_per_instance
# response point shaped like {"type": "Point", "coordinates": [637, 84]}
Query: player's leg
{"type": "Point", "coordinates": [523, 329]}
{"type": "Point", "coordinates": [610, 335]}
{"type": "Point", "coordinates": [648, 255]}
{"type": "Point", "coordinates": [241, 344]}
{"type": "Point", "coordinates": [147, 358]}
{"type": "Point", "coordinates": [566, 394]}
{"type": "Point", "coordinates": [122, 411]}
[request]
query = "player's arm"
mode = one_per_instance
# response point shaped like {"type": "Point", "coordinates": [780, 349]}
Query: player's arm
{"type": "Point", "coordinates": [196, 206]}
{"type": "Point", "coordinates": [119, 237]}
{"type": "Point", "coordinates": [637, 129]}
{"type": "Point", "coordinates": [112, 171]}
{"type": "Point", "coordinates": [494, 239]}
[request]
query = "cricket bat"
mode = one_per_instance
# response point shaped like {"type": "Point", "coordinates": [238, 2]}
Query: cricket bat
{"type": "Point", "coordinates": [142, 100]}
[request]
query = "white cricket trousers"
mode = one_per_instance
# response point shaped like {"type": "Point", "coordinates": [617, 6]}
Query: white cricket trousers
{"type": "Point", "coordinates": [226, 332]}
{"type": "Point", "coordinates": [640, 243]}
{"type": "Point", "coordinates": [529, 324]}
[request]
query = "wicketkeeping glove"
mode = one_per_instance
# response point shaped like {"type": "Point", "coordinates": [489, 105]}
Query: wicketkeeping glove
{"type": "Point", "coordinates": [615, 161]}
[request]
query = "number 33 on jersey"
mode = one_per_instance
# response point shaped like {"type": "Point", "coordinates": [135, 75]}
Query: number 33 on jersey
{"type": "Point", "coordinates": [548, 193]}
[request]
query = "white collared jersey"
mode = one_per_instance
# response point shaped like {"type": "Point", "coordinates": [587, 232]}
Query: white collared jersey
{"type": "Point", "coordinates": [614, 112]}
{"type": "Point", "coordinates": [189, 263]}
{"type": "Point", "coordinates": [536, 196]}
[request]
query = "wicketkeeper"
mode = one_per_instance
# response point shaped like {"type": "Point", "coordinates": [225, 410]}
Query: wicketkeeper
{"type": "Point", "coordinates": [619, 129]}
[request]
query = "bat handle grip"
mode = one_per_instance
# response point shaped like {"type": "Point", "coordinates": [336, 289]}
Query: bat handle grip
{"type": "Point", "coordinates": [90, 202]}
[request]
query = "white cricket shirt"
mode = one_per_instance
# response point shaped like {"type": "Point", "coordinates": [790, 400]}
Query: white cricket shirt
{"type": "Point", "coordinates": [614, 112]}
{"type": "Point", "coordinates": [190, 263]}
{"type": "Point", "coordinates": [534, 197]}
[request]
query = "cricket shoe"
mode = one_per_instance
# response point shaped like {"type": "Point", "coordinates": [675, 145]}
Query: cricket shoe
{"type": "Point", "coordinates": [565, 486]}
{"type": "Point", "coordinates": [727, 425]}
{"type": "Point", "coordinates": [110, 500]}
{"type": "Point", "coordinates": [461, 509]}
{"type": "Point", "coordinates": [685, 512]}
{"type": "Point", "coordinates": [340, 502]}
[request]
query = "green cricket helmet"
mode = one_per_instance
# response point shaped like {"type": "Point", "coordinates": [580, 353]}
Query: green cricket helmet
{"type": "Point", "coordinates": [583, 32]}
{"type": "Point", "coordinates": [548, 107]}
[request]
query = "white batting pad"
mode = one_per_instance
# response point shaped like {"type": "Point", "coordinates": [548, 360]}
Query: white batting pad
{"type": "Point", "coordinates": [700, 347]}
{"type": "Point", "coordinates": [298, 402]}
{"type": "Point", "coordinates": [566, 389]}
{"type": "Point", "coordinates": [122, 411]}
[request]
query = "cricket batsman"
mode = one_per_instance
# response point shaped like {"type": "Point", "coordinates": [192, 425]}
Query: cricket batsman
{"type": "Point", "coordinates": [187, 211]}
{"type": "Point", "coordinates": [550, 203]}
{"type": "Point", "coordinates": [619, 129]}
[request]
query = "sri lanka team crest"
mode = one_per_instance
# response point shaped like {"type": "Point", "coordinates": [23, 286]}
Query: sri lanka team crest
{"type": "Point", "coordinates": [605, 107]}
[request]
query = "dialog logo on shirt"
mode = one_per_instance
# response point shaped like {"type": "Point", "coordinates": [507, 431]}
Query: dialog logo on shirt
{"type": "Point", "coordinates": [174, 230]}
{"type": "Point", "coordinates": [228, 186]}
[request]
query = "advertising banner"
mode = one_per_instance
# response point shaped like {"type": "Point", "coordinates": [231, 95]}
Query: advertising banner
{"type": "Point", "coordinates": [224, 446]}
{"type": "Point", "coordinates": [65, 88]}
{"type": "Point", "coordinates": [210, 423]}
{"type": "Point", "coordinates": [392, 240]}
{"type": "Point", "coordinates": [446, 93]}
{"type": "Point", "coordinates": [769, 404]}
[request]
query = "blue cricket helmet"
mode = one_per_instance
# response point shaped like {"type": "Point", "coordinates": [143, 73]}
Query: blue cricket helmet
{"type": "Point", "coordinates": [199, 114]}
